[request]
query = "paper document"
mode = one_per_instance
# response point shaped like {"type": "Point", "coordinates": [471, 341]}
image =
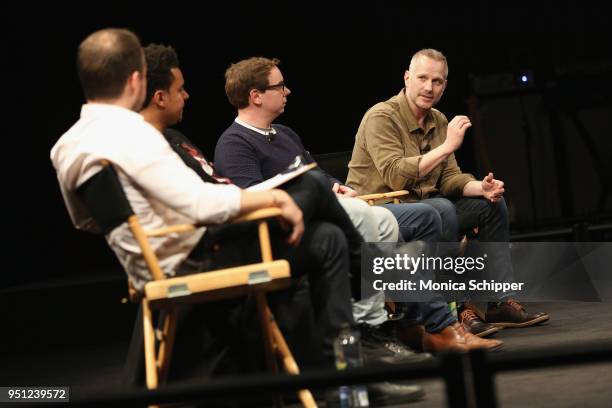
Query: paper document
{"type": "Point", "coordinates": [281, 178]}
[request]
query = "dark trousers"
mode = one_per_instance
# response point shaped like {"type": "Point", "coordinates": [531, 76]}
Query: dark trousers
{"type": "Point", "coordinates": [310, 313]}
{"type": "Point", "coordinates": [421, 222]}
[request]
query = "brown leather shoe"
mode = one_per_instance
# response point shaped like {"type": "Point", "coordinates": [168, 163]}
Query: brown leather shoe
{"type": "Point", "coordinates": [478, 327]}
{"type": "Point", "coordinates": [512, 314]}
{"type": "Point", "coordinates": [474, 342]}
{"type": "Point", "coordinates": [449, 339]}
{"type": "Point", "coordinates": [456, 338]}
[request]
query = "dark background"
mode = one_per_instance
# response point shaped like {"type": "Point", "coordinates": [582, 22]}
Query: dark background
{"type": "Point", "coordinates": [338, 61]}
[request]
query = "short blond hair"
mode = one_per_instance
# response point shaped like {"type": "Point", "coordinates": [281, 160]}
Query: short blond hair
{"type": "Point", "coordinates": [429, 53]}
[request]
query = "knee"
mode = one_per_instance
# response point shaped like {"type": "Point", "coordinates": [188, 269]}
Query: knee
{"type": "Point", "coordinates": [500, 209]}
{"type": "Point", "coordinates": [328, 239]}
{"type": "Point", "coordinates": [317, 179]}
{"type": "Point", "coordinates": [358, 211]}
{"type": "Point", "coordinates": [449, 221]}
{"type": "Point", "coordinates": [388, 228]}
{"type": "Point", "coordinates": [447, 210]}
{"type": "Point", "coordinates": [428, 219]}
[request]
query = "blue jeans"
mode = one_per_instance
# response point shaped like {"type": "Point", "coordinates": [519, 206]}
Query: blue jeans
{"type": "Point", "coordinates": [418, 221]}
{"type": "Point", "coordinates": [460, 215]}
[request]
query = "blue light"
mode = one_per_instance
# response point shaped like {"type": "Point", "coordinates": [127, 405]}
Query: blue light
{"type": "Point", "coordinates": [524, 78]}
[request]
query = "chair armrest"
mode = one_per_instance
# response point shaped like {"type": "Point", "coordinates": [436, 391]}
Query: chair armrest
{"type": "Point", "coordinates": [384, 196]}
{"type": "Point", "coordinates": [252, 216]}
{"type": "Point", "coordinates": [169, 230]}
{"type": "Point", "coordinates": [258, 215]}
{"type": "Point", "coordinates": [219, 284]}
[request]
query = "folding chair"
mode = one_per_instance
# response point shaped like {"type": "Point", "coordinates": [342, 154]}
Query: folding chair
{"type": "Point", "coordinates": [109, 207]}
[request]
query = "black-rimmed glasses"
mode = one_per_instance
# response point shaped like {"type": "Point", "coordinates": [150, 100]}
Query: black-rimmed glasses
{"type": "Point", "coordinates": [280, 86]}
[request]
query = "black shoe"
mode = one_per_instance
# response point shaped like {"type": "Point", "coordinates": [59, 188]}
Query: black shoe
{"type": "Point", "coordinates": [512, 314]}
{"type": "Point", "coordinates": [471, 321]}
{"type": "Point", "coordinates": [378, 346]}
{"type": "Point", "coordinates": [381, 394]}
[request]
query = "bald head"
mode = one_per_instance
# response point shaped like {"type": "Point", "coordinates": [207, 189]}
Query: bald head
{"type": "Point", "coordinates": [429, 53]}
{"type": "Point", "coordinates": [105, 61]}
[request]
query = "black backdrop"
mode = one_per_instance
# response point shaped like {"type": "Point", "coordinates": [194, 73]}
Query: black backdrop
{"type": "Point", "coordinates": [338, 60]}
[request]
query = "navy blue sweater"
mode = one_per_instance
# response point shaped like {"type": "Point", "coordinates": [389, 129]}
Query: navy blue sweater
{"type": "Point", "coordinates": [248, 157]}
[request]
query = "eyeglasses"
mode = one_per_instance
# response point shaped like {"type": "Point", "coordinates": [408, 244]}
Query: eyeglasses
{"type": "Point", "coordinates": [280, 86]}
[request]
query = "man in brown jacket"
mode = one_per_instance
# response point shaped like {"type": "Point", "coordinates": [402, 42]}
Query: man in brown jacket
{"type": "Point", "coordinates": [404, 143]}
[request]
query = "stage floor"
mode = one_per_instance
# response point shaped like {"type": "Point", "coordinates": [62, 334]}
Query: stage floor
{"type": "Point", "coordinates": [95, 366]}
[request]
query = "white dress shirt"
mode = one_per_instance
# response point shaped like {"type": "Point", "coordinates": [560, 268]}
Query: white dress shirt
{"type": "Point", "coordinates": [161, 189]}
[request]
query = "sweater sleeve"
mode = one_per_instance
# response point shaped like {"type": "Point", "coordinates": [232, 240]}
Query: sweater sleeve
{"type": "Point", "coordinates": [237, 160]}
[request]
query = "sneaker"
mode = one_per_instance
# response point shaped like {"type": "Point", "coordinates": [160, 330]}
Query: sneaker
{"type": "Point", "coordinates": [378, 346]}
{"type": "Point", "coordinates": [512, 314]}
{"type": "Point", "coordinates": [472, 322]}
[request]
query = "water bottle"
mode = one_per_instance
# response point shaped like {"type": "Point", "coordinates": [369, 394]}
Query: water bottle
{"type": "Point", "coordinates": [347, 350]}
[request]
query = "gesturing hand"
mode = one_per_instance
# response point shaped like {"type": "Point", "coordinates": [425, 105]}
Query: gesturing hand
{"type": "Point", "coordinates": [455, 132]}
{"type": "Point", "coordinates": [492, 189]}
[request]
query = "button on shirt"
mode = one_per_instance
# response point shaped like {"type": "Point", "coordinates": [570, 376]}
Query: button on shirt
{"type": "Point", "coordinates": [388, 149]}
{"type": "Point", "coordinates": [160, 188]}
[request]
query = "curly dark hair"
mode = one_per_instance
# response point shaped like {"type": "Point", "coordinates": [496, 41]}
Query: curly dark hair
{"type": "Point", "coordinates": [160, 60]}
{"type": "Point", "coordinates": [105, 61]}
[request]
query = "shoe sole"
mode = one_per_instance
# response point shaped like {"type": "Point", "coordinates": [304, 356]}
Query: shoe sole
{"type": "Point", "coordinates": [496, 348]}
{"type": "Point", "coordinates": [519, 325]}
{"type": "Point", "coordinates": [488, 332]}
{"type": "Point", "coordinates": [382, 401]}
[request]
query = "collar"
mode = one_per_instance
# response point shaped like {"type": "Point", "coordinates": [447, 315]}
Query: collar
{"type": "Point", "coordinates": [105, 109]}
{"type": "Point", "coordinates": [408, 116]}
{"type": "Point", "coordinates": [265, 132]}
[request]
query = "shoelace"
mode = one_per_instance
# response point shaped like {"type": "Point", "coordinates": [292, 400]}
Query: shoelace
{"type": "Point", "coordinates": [468, 315]}
{"type": "Point", "coordinates": [516, 305]}
{"type": "Point", "coordinates": [396, 348]}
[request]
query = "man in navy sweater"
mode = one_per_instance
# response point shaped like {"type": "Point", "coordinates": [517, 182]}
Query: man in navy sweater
{"type": "Point", "coordinates": [253, 149]}
{"type": "Point", "coordinates": [164, 104]}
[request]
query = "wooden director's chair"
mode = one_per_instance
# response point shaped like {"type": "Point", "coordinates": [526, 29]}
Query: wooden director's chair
{"type": "Point", "coordinates": [109, 207]}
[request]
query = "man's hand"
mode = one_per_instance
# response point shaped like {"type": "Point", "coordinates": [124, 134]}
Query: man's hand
{"type": "Point", "coordinates": [291, 216]}
{"type": "Point", "coordinates": [343, 191]}
{"type": "Point", "coordinates": [455, 133]}
{"type": "Point", "coordinates": [492, 189]}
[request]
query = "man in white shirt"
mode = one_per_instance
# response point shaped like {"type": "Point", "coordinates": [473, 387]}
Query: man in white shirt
{"type": "Point", "coordinates": [163, 191]}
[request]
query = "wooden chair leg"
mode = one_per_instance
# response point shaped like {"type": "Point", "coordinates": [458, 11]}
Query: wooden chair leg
{"type": "Point", "coordinates": [264, 314]}
{"type": "Point", "coordinates": [264, 242]}
{"type": "Point", "coordinates": [289, 363]}
{"type": "Point", "coordinates": [149, 346]}
{"type": "Point", "coordinates": [167, 344]}
{"type": "Point", "coordinates": [273, 338]}
{"type": "Point", "coordinates": [133, 372]}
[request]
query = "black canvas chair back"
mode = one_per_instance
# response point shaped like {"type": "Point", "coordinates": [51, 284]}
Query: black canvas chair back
{"type": "Point", "coordinates": [105, 199]}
